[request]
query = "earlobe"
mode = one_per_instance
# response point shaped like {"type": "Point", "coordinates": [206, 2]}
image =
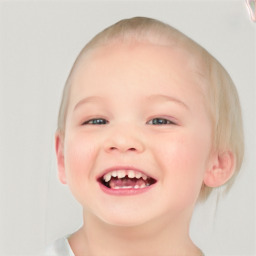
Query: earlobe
{"type": "Point", "coordinates": [221, 170]}
{"type": "Point", "coordinates": [59, 148]}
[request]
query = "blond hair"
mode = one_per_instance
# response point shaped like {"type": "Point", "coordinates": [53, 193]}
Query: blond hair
{"type": "Point", "coordinates": [224, 106]}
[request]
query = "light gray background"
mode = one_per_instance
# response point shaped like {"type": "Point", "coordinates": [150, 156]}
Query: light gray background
{"type": "Point", "coordinates": [39, 42]}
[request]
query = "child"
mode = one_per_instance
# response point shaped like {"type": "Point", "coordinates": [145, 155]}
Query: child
{"type": "Point", "coordinates": [149, 124]}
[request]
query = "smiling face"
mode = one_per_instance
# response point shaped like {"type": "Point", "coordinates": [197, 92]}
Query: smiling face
{"type": "Point", "coordinates": [139, 110]}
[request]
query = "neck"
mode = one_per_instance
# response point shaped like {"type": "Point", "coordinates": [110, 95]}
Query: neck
{"type": "Point", "coordinates": [160, 237]}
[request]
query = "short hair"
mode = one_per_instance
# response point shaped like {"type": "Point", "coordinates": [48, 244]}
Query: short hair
{"type": "Point", "coordinates": [222, 97]}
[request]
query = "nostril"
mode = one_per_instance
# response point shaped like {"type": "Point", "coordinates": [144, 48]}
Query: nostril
{"type": "Point", "coordinates": [122, 146]}
{"type": "Point", "coordinates": [131, 149]}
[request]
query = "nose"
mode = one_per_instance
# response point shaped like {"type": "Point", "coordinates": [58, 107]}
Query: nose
{"type": "Point", "coordinates": [122, 141]}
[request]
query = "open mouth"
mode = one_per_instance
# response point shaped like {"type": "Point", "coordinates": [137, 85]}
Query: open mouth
{"type": "Point", "coordinates": [126, 179]}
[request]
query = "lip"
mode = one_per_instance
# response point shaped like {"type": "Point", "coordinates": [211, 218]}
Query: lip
{"type": "Point", "coordinates": [123, 192]}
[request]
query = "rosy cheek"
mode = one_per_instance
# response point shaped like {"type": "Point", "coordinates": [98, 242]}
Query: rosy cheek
{"type": "Point", "coordinates": [184, 157]}
{"type": "Point", "coordinates": [79, 156]}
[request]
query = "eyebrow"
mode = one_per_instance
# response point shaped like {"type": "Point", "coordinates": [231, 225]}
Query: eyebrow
{"type": "Point", "coordinates": [154, 97]}
{"type": "Point", "coordinates": [87, 100]}
{"type": "Point", "coordinates": [163, 97]}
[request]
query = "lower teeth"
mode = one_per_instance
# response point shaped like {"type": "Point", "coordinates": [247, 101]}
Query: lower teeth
{"type": "Point", "coordinates": [127, 187]}
{"type": "Point", "coordinates": [124, 187]}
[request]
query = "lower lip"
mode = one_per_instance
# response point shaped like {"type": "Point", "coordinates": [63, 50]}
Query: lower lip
{"type": "Point", "coordinates": [124, 191]}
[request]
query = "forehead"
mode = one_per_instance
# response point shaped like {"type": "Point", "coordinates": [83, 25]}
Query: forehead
{"type": "Point", "coordinates": [140, 64]}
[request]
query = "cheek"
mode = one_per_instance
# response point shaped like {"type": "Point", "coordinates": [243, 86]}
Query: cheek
{"type": "Point", "coordinates": [79, 159]}
{"type": "Point", "coordinates": [184, 160]}
{"type": "Point", "coordinates": [185, 150]}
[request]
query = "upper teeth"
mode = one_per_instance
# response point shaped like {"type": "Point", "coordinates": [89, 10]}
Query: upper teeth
{"type": "Point", "coordinates": [122, 173]}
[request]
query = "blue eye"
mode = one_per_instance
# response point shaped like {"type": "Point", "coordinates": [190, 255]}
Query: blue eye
{"type": "Point", "coordinates": [96, 121]}
{"type": "Point", "coordinates": [160, 121]}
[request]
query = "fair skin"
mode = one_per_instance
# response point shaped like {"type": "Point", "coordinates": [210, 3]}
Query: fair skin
{"type": "Point", "coordinates": [151, 107]}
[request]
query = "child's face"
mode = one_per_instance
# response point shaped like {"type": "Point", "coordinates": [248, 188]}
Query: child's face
{"type": "Point", "coordinates": [150, 105]}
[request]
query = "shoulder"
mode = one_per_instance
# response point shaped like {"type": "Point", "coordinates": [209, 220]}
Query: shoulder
{"type": "Point", "coordinates": [60, 247]}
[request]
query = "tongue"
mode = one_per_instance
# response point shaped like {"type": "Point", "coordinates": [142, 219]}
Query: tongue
{"type": "Point", "coordinates": [125, 182]}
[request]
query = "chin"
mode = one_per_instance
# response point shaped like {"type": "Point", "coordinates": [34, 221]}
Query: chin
{"type": "Point", "coordinates": [124, 219]}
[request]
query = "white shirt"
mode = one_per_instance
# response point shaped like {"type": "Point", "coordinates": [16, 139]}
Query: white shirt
{"type": "Point", "coordinates": [60, 247]}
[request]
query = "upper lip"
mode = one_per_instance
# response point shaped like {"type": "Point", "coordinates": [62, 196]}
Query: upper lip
{"type": "Point", "coordinates": [120, 167]}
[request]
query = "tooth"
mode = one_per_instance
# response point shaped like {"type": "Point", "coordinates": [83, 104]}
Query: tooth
{"type": "Point", "coordinates": [123, 187]}
{"type": "Point", "coordinates": [136, 186]}
{"type": "Point", "coordinates": [126, 187]}
{"type": "Point", "coordinates": [107, 177]}
{"type": "Point", "coordinates": [121, 174]}
{"type": "Point", "coordinates": [114, 173]}
{"type": "Point", "coordinates": [138, 175]}
{"type": "Point", "coordinates": [142, 185]}
{"type": "Point", "coordinates": [144, 177]}
{"type": "Point", "coordinates": [131, 174]}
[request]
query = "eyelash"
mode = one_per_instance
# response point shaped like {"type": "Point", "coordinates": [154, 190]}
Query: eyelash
{"type": "Point", "coordinates": [91, 121]}
{"type": "Point", "coordinates": [102, 121]}
{"type": "Point", "coordinates": [163, 121]}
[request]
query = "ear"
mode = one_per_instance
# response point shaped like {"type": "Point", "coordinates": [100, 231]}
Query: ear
{"type": "Point", "coordinates": [221, 170]}
{"type": "Point", "coordinates": [59, 148]}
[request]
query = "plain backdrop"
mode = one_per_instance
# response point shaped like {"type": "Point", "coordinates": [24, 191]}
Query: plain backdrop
{"type": "Point", "coordinates": [39, 41]}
